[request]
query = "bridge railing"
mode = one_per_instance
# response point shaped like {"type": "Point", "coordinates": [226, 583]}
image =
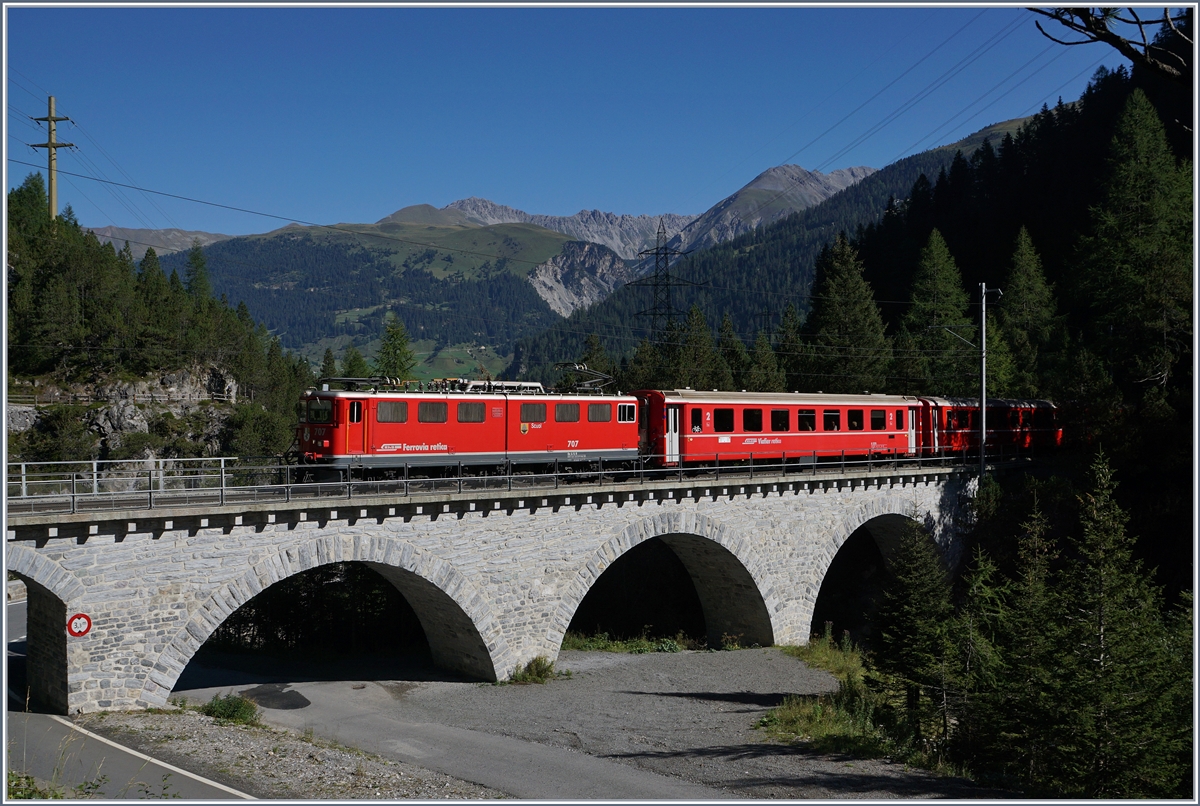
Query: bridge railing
{"type": "Point", "coordinates": [68, 487]}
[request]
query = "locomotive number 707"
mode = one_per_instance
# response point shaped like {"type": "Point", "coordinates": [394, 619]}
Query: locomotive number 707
{"type": "Point", "coordinates": [572, 443]}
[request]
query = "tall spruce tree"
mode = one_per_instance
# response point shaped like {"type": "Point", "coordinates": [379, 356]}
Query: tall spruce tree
{"type": "Point", "coordinates": [938, 329]}
{"type": "Point", "coordinates": [1026, 316]}
{"type": "Point", "coordinates": [353, 364]}
{"type": "Point", "coordinates": [913, 614]}
{"type": "Point", "coordinates": [733, 350]}
{"type": "Point", "coordinates": [847, 349]}
{"type": "Point", "coordinates": [790, 349]}
{"type": "Point", "coordinates": [763, 374]}
{"type": "Point", "coordinates": [329, 367]}
{"type": "Point", "coordinates": [1137, 261]}
{"type": "Point", "coordinates": [1115, 686]}
{"type": "Point", "coordinates": [396, 358]}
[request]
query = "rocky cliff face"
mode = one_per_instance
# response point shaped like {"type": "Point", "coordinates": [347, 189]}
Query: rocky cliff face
{"type": "Point", "coordinates": [624, 234]}
{"type": "Point", "coordinates": [774, 194]}
{"type": "Point", "coordinates": [580, 275]}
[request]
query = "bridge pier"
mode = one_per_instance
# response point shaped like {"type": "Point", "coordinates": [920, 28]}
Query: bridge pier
{"type": "Point", "coordinates": [495, 579]}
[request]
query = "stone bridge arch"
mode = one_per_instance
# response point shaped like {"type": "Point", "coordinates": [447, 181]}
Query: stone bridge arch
{"type": "Point", "coordinates": [729, 574]}
{"type": "Point", "coordinates": [461, 629]}
{"type": "Point", "coordinates": [51, 591]}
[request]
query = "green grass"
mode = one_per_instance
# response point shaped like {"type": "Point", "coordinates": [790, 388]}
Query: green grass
{"type": "Point", "coordinates": [600, 642]}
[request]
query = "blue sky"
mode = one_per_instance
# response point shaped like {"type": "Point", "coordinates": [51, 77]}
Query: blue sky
{"type": "Point", "coordinates": [348, 114]}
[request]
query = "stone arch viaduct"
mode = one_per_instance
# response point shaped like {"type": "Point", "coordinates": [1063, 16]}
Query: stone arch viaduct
{"type": "Point", "coordinates": [493, 578]}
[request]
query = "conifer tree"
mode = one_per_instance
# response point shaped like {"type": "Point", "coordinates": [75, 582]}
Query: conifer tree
{"type": "Point", "coordinates": [1138, 259]}
{"type": "Point", "coordinates": [328, 364]}
{"type": "Point", "coordinates": [396, 358]}
{"type": "Point", "coordinates": [643, 370]}
{"type": "Point", "coordinates": [848, 352]}
{"type": "Point", "coordinates": [733, 350]}
{"type": "Point", "coordinates": [1115, 686]}
{"type": "Point", "coordinates": [196, 276]}
{"type": "Point", "coordinates": [353, 364]}
{"type": "Point", "coordinates": [913, 613]}
{"type": "Point", "coordinates": [1026, 316]}
{"type": "Point", "coordinates": [939, 328]}
{"type": "Point", "coordinates": [763, 373]}
{"type": "Point", "coordinates": [791, 350]}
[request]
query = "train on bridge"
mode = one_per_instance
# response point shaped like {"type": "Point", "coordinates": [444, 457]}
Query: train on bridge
{"type": "Point", "coordinates": [380, 428]}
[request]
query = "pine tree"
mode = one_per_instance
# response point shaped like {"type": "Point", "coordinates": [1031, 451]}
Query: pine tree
{"type": "Point", "coordinates": [643, 371]}
{"type": "Point", "coordinates": [1115, 685]}
{"type": "Point", "coordinates": [913, 613]}
{"type": "Point", "coordinates": [764, 374]}
{"type": "Point", "coordinates": [849, 352]}
{"type": "Point", "coordinates": [791, 350]}
{"type": "Point", "coordinates": [937, 325]}
{"type": "Point", "coordinates": [696, 363]}
{"type": "Point", "coordinates": [396, 358]}
{"type": "Point", "coordinates": [733, 350]}
{"type": "Point", "coordinates": [1137, 263]}
{"type": "Point", "coordinates": [353, 364]}
{"type": "Point", "coordinates": [196, 276]}
{"type": "Point", "coordinates": [328, 364]}
{"type": "Point", "coordinates": [1026, 316]}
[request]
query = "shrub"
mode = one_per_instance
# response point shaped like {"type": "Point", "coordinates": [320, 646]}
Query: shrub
{"type": "Point", "coordinates": [231, 709]}
{"type": "Point", "coordinates": [538, 670]}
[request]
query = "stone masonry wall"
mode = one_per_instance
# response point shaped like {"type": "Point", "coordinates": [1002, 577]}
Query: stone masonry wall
{"type": "Point", "coordinates": [495, 581]}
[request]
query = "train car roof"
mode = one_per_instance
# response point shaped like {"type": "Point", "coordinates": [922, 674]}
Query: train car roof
{"type": "Point", "coordinates": [992, 401]}
{"type": "Point", "coordinates": [399, 394]}
{"type": "Point", "coordinates": [783, 398]}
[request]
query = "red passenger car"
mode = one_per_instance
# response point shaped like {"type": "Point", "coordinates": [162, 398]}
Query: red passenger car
{"type": "Point", "coordinates": [686, 426]}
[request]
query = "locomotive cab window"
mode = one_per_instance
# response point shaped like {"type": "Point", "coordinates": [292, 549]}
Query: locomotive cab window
{"type": "Point", "coordinates": [356, 411]}
{"type": "Point", "coordinates": [780, 420]}
{"type": "Point", "coordinates": [431, 411]}
{"type": "Point", "coordinates": [626, 412]}
{"type": "Point", "coordinates": [751, 419]}
{"type": "Point", "coordinates": [566, 412]}
{"type": "Point", "coordinates": [392, 411]}
{"type": "Point", "coordinates": [878, 420]}
{"type": "Point", "coordinates": [533, 412]}
{"type": "Point", "coordinates": [697, 421]}
{"type": "Point", "coordinates": [302, 411]}
{"type": "Point", "coordinates": [599, 412]}
{"type": "Point", "coordinates": [471, 412]}
{"type": "Point", "coordinates": [832, 421]}
{"type": "Point", "coordinates": [723, 420]}
{"type": "Point", "coordinates": [320, 411]}
{"type": "Point", "coordinates": [806, 419]}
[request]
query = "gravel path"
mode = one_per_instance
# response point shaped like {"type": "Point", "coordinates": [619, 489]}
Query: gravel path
{"type": "Point", "coordinates": [689, 715]}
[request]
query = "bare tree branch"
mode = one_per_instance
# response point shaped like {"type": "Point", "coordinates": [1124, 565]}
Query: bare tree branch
{"type": "Point", "coordinates": [1095, 25]}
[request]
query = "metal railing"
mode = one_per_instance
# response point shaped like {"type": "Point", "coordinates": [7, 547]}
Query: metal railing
{"type": "Point", "coordinates": [71, 487]}
{"type": "Point", "coordinates": [50, 399]}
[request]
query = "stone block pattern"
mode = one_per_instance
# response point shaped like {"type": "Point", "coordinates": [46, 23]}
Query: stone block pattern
{"type": "Point", "coordinates": [494, 584]}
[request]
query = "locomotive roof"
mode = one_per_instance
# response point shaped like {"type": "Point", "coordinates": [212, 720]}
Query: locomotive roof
{"type": "Point", "coordinates": [992, 401]}
{"type": "Point", "coordinates": [784, 398]}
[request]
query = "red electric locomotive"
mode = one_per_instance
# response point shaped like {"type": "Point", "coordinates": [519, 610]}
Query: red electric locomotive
{"type": "Point", "coordinates": [385, 426]}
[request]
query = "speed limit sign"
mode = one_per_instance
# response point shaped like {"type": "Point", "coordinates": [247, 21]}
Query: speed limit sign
{"type": "Point", "coordinates": [79, 625]}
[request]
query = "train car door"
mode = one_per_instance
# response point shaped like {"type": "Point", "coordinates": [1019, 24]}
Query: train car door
{"type": "Point", "coordinates": [672, 446]}
{"type": "Point", "coordinates": [355, 426]}
{"type": "Point", "coordinates": [912, 431]}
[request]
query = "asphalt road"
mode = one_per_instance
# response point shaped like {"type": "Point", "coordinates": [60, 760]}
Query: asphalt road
{"type": "Point", "coordinates": [54, 750]}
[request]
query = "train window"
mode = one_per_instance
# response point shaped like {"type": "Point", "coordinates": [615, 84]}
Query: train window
{"type": "Point", "coordinates": [854, 419]}
{"type": "Point", "coordinates": [431, 411]}
{"type": "Point", "coordinates": [356, 411]}
{"type": "Point", "coordinates": [697, 421]}
{"type": "Point", "coordinates": [392, 411]}
{"type": "Point", "coordinates": [626, 413]}
{"type": "Point", "coordinates": [751, 419]}
{"type": "Point", "coordinates": [471, 412]}
{"type": "Point", "coordinates": [878, 420]}
{"type": "Point", "coordinates": [533, 412]}
{"type": "Point", "coordinates": [780, 420]}
{"type": "Point", "coordinates": [599, 412]}
{"type": "Point", "coordinates": [899, 419]}
{"type": "Point", "coordinates": [566, 412]}
{"type": "Point", "coordinates": [723, 420]}
{"type": "Point", "coordinates": [806, 420]}
{"type": "Point", "coordinates": [833, 421]}
{"type": "Point", "coordinates": [320, 411]}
